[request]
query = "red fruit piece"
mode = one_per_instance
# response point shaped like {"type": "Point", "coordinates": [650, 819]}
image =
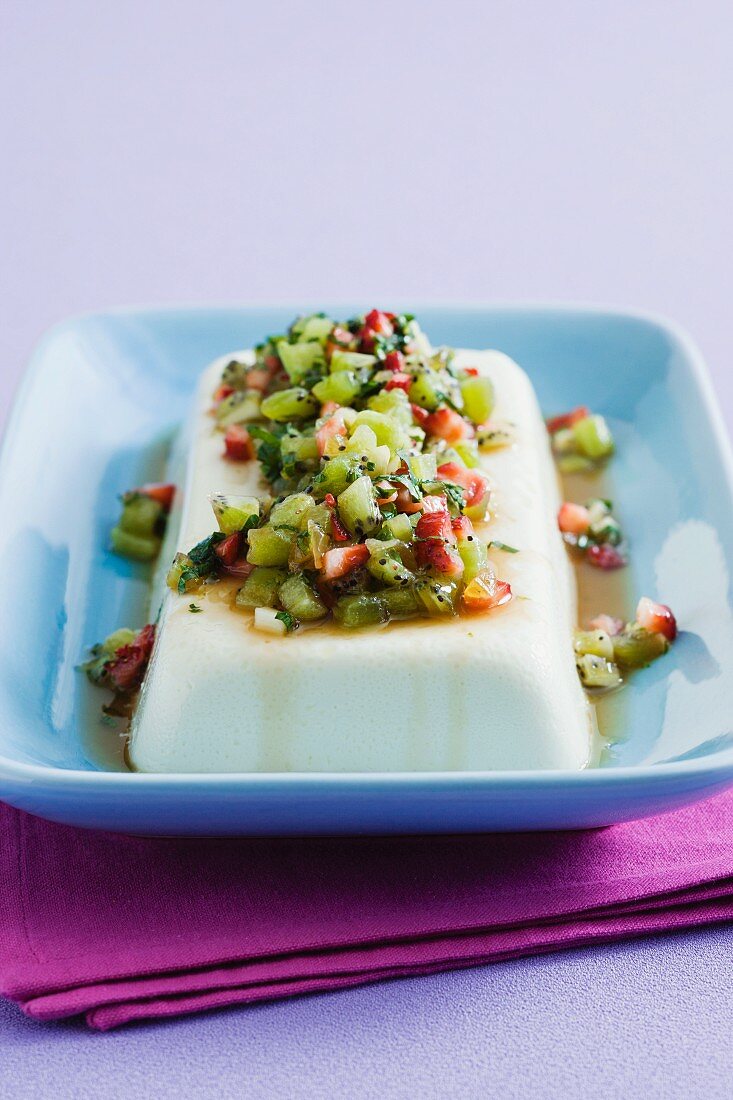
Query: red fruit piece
{"type": "Point", "coordinates": [435, 546]}
{"type": "Point", "coordinates": [399, 381]}
{"type": "Point", "coordinates": [607, 623]}
{"type": "Point", "coordinates": [227, 551]}
{"type": "Point", "coordinates": [449, 425]}
{"type": "Point", "coordinates": [573, 519]}
{"type": "Point", "coordinates": [342, 560]}
{"type": "Point", "coordinates": [474, 484]}
{"type": "Point", "coordinates": [566, 420]}
{"type": "Point", "coordinates": [605, 556]}
{"type": "Point", "coordinates": [395, 361]}
{"type": "Point", "coordinates": [462, 527]}
{"type": "Point", "coordinates": [238, 444]}
{"type": "Point", "coordinates": [376, 323]}
{"type": "Point", "coordinates": [485, 592]}
{"type": "Point", "coordinates": [657, 618]}
{"type": "Point", "coordinates": [420, 415]}
{"type": "Point", "coordinates": [222, 392]}
{"type": "Point", "coordinates": [127, 668]}
{"type": "Point", "coordinates": [162, 493]}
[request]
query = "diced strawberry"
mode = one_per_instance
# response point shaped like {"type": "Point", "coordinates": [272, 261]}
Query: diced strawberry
{"type": "Point", "coordinates": [222, 392]}
{"type": "Point", "coordinates": [238, 444]}
{"type": "Point", "coordinates": [605, 556]}
{"type": "Point", "coordinates": [566, 420]}
{"type": "Point", "coordinates": [420, 414]}
{"type": "Point", "coordinates": [330, 429]}
{"type": "Point", "coordinates": [435, 547]}
{"type": "Point", "coordinates": [239, 568]}
{"type": "Point", "coordinates": [573, 519]}
{"type": "Point", "coordinates": [435, 525]}
{"type": "Point", "coordinates": [462, 527]}
{"type": "Point", "coordinates": [405, 503]}
{"type": "Point", "coordinates": [399, 381]}
{"type": "Point", "coordinates": [376, 323]}
{"type": "Point", "coordinates": [342, 560]}
{"type": "Point", "coordinates": [434, 504]}
{"type": "Point", "coordinates": [474, 483]}
{"type": "Point", "coordinates": [342, 336]}
{"type": "Point", "coordinates": [127, 668]}
{"type": "Point", "coordinates": [227, 550]}
{"type": "Point", "coordinates": [162, 493]}
{"type": "Point", "coordinates": [259, 379]}
{"type": "Point", "coordinates": [395, 361]}
{"type": "Point", "coordinates": [472, 372]}
{"type": "Point", "coordinates": [338, 531]}
{"type": "Point", "coordinates": [485, 592]}
{"type": "Point", "coordinates": [329, 500]}
{"type": "Point", "coordinates": [657, 618]}
{"type": "Point", "coordinates": [449, 425]}
{"type": "Point", "coordinates": [328, 408]}
{"type": "Point", "coordinates": [273, 364]}
{"type": "Point", "coordinates": [607, 623]}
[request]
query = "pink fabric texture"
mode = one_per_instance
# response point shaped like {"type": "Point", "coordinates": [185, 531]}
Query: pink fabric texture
{"type": "Point", "coordinates": [125, 928]}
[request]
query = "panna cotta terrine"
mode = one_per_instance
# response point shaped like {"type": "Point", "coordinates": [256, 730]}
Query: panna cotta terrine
{"type": "Point", "coordinates": [367, 569]}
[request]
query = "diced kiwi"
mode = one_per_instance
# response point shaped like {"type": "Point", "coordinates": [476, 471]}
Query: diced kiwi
{"type": "Point", "coordinates": [139, 547]}
{"type": "Point", "coordinates": [386, 566]}
{"type": "Point", "coordinates": [268, 546]}
{"type": "Point", "coordinates": [292, 511]}
{"type": "Point", "coordinates": [238, 408]}
{"type": "Point", "coordinates": [351, 360]}
{"type": "Point", "coordinates": [438, 598]}
{"type": "Point", "coordinates": [636, 647]}
{"type": "Point", "coordinates": [299, 360]}
{"type": "Point", "coordinates": [364, 609]}
{"type": "Point", "coordinates": [593, 437]}
{"type": "Point", "coordinates": [314, 326]}
{"type": "Point", "coordinates": [426, 391]}
{"type": "Point", "coordinates": [358, 509]}
{"type": "Point", "coordinates": [297, 597]}
{"type": "Point", "coordinates": [597, 672]}
{"type": "Point", "coordinates": [295, 403]}
{"type": "Point", "coordinates": [388, 431]}
{"type": "Point", "coordinates": [398, 527]}
{"type": "Point", "coordinates": [478, 398]}
{"type": "Point", "coordinates": [234, 512]}
{"type": "Point", "coordinates": [401, 603]}
{"type": "Point", "coordinates": [341, 387]}
{"type": "Point", "coordinates": [261, 587]}
{"type": "Point", "coordinates": [474, 556]}
{"type": "Point", "coordinates": [596, 642]}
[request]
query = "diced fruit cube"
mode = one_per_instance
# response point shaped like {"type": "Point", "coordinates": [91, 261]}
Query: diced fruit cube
{"type": "Point", "coordinates": [261, 587]}
{"type": "Point", "coordinates": [485, 592]}
{"type": "Point", "coordinates": [298, 598]}
{"type": "Point", "coordinates": [573, 519]}
{"type": "Point", "coordinates": [342, 560]}
{"type": "Point", "coordinates": [238, 444]}
{"type": "Point", "coordinates": [656, 617]}
{"type": "Point", "coordinates": [293, 404]}
{"type": "Point", "coordinates": [478, 398]}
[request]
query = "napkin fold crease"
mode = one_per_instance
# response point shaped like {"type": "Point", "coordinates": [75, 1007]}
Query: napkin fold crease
{"type": "Point", "coordinates": [123, 928]}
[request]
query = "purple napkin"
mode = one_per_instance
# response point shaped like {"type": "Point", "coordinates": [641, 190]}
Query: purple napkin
{"type": "Point", "coordinates": [123, 928]}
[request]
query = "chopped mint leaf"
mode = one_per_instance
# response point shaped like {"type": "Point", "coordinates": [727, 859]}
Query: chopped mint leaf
{"type": "Point", "coordinates": [194, 608]}
{"type": "Point", "coordinates": [291, 623]}
{"type": "Point", "coordinates": [503, 546]}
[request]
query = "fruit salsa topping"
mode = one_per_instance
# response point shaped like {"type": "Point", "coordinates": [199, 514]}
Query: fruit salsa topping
{"type": "Point", "coordinates": [611, 648]}
{"type": "Point", "coordinates": [120, 661]}
{"type": "Point", "coordinates": [141, 526]}
{"type": "Point", "coordinates": [581, 440]}
{"type": "Point", "coordinates": [591, 529]}
{"type": "Point", "coordinates": [370, 441]}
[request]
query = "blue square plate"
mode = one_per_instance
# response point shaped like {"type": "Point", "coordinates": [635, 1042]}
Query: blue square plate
{"type": "Point", "coordinates": [98, 405]}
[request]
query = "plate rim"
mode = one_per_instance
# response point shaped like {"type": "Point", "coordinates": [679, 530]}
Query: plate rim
{"type": "Point", "coordinates": [716, 766]}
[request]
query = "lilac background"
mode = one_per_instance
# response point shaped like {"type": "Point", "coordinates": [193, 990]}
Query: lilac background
{"type": "Point", "coordinates": [226, 151]}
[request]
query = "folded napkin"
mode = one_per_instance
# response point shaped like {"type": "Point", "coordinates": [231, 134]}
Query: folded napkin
{"type": "Point", "coordinates": [125, 928]}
